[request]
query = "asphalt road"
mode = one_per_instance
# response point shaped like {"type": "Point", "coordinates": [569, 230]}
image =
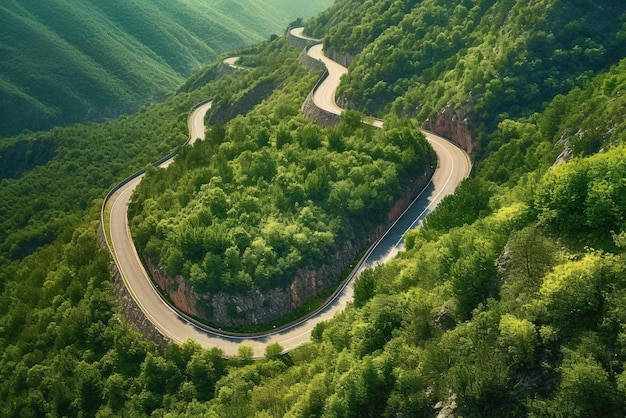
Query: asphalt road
{"type": "Point", "coordinates": [232, 62]}
{"type": "Point", "coordinates": [454, 165]}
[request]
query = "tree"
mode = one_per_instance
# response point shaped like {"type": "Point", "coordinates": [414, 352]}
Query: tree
{"type": "Point", "coordinates": [89, 387]}
{"type": "Point", "coordinates": [202, 374]}
{"type": "Point", "coordinates": [473, 277]}
{"type": "Point", "coordinates": [571, 293]}
{"type": "Point", "coordinates": [584, 389]}
{"type": "Point", "coordinates": [518, 337]}
{"type": "Point", "coordinates": [531, 253]}
{"type": "Point", "coordinates": [273, 351]}
{"type": "Point", "coordinates": [529, 256]}
{"type": "Point", "coordinates": [115, 391]}
{"type": "Point", "coordinates": [365, 286]}
{"type": "Point", "coordinates": [245, 352]}
{"type": "Point", "coordinates": [158, 375]}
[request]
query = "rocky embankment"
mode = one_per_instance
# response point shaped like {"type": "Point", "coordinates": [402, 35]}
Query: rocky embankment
{"type": "Point", "coordinates": [452, 123]}
{"type": "Point", "coordinates": [131, 312]}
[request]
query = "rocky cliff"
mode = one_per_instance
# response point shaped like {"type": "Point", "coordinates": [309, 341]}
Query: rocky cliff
{"type": "Point", "coordinates": [257, 306]}
{"type": "Point", "coordinates": [297, 41]}
{"type": "Point", "coordinates": [310, 63]}
{"type": "Point", "coordinates": [452, 123]}
{"type": "Point", "coordinates": [321, 117]}
{"type": "Point", "coordinates": [343, 59]}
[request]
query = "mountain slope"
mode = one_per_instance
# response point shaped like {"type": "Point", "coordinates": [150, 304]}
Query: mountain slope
{"type": "Point", "coordinates": [494, 57]}
{"type": "Point", "coordinates": [508, 302]}
{"type": "Point", "coordinates": [63, 62]}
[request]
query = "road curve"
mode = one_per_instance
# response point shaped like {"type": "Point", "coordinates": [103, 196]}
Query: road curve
{"type": "Point", "coordinates": [453, 166]}
{"type": "Point", "coordinates": [232, 62]}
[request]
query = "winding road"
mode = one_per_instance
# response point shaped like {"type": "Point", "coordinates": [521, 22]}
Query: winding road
{"type": "Point", "coordinates": [454, 166]}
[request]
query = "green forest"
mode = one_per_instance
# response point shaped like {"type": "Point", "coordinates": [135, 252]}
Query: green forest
{"type": "Point", "coordinates": [63, 62]}
{"type": "Point", "coordinates": [508, 300]}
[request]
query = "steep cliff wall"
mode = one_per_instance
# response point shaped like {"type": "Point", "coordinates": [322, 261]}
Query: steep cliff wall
{"type": "Point", "coordinates": [310, 63]}
{"type": "Point", "coordinates": [297, 41]}
{"type": "Point", "coordinates": [321, 117]}
{"type": "Point", "coordinates": [257, 306]}
{"type": "Point", "coordinates": [452, 123]}
{"type": "Point", "coordinates": [343, 59]}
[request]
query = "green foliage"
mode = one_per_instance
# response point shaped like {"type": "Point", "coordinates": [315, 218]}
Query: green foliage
{"type": "Point", "coordinates": [62, 63]}
{"type": "Point", "coordinates": [364, 287]}
{"type": "Point", "coordinates": [267, 195]}
{"type": "Point", "coordinates": [506, 58]}
{"type": "Point", "coordinates": [497, 308]}
{"type": "Point", "coordinates": [519, 339]}
{"type": "Point", "coordinates": [585, 195]}
{"type": "Point", "coordinates": [273, 351]}
{"type": "Point", "coordinates": [584, 390]}
{"type": "Point", "coordinates": [468, 203]}
{"type": "Point", "coordinates": [529, 255]}
{"type": "Point", "coordinates": [517, 310]}
{"type": "Point", "coordinates": [40, 204]}
{"type": "Point", "coordinates": [66, 346]}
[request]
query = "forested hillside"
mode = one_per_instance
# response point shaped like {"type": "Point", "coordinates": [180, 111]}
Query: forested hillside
{"type": "Point", "coordinates": [509, 300]}
{"type": "Point", "coordinates": [270, 194]}
{"type": "Point", "coordinates": [63, 62]}
{"type": "Point", "coordinates": [502, 58]}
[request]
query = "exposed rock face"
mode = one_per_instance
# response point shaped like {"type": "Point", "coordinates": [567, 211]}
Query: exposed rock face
{"type": "Point", "coordinates": [446, 409]}
{"type": "Point", "coordinates": [296, 41]}
{"type": "Point", "coordinates": [310, 63]}
{"type": "Point", "coordinates": [445, 317]}
{"type": "Point", "coordinates": [343, 59]}
{"type": "Point", "coordinates": [255, 306]}
{"type": "Point", "coordinates": [321, 117]}
{"type": "Point", "coordinates": [178, 289]}
{"type": "Point", "coordinates": [452, 123]}
{"type": "Point", "coordinates": [404, 202]}
{"type": "Point", "coordinates": [567, 153]}
{"type": "Point", "coordinates": [265, 306]}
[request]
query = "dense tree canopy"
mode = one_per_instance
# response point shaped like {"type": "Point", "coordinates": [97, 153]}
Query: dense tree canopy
{"type": "Point", "coordinates": [508, 302]}
{"type": "Point", "coordinates": [504, 58]}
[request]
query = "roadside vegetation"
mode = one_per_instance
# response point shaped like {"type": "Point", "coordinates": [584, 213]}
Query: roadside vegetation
{"type": "Point", "coordinates": [509, 300]}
